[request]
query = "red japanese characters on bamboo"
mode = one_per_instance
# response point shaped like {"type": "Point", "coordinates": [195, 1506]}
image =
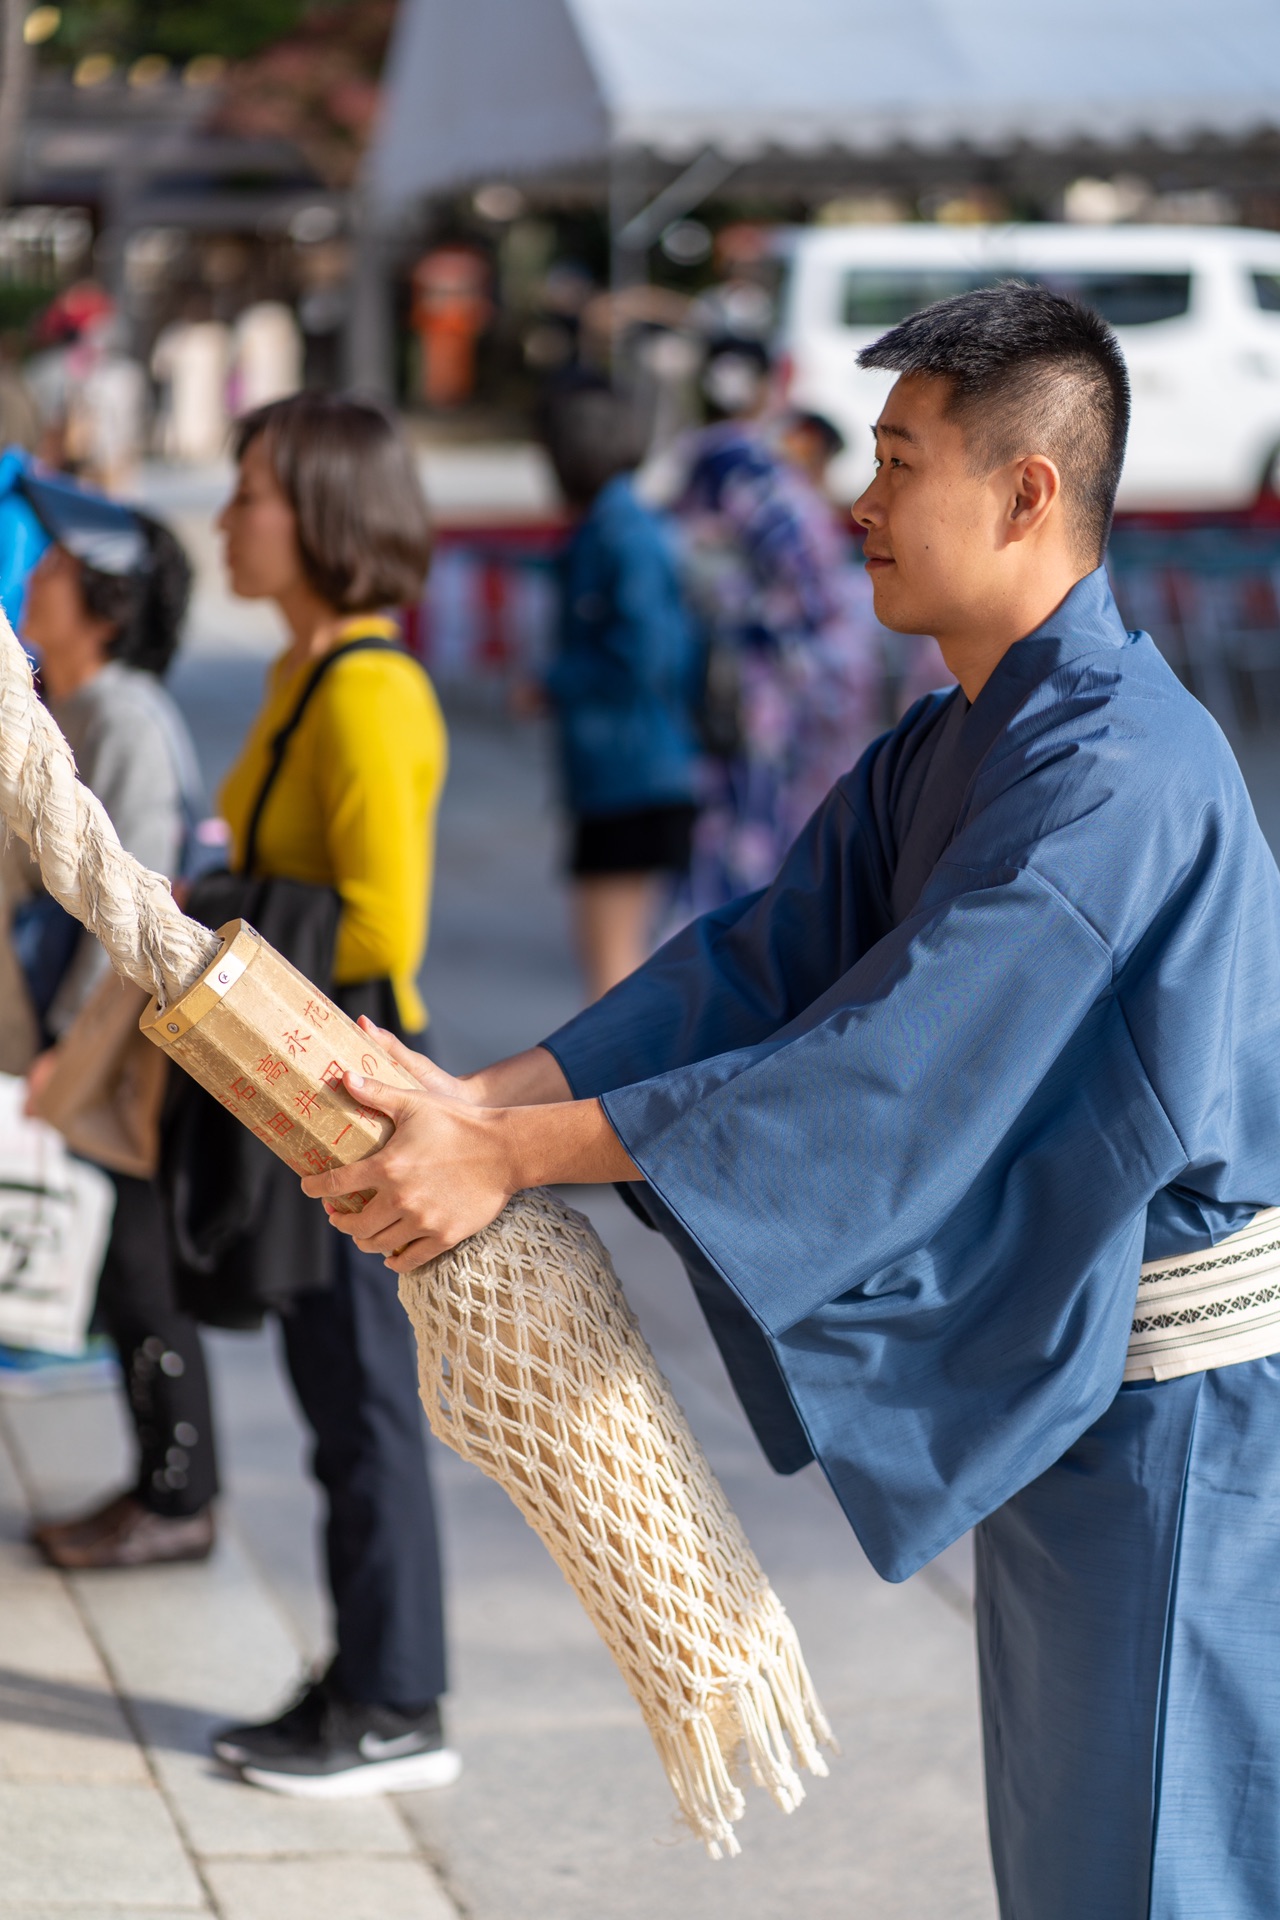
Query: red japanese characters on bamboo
{"type": "Point", "coordinates": [273, 1049]}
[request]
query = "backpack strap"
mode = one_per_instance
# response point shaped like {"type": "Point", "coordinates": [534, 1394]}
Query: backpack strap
{"type": "Point", "coordinates": [280, 741]}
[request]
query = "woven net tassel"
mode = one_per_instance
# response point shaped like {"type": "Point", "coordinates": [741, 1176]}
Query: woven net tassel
{"type": "Point", "coordinates": [532, 1366]}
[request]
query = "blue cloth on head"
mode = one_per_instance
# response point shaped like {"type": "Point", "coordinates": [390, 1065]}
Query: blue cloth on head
{"type": "Point", "coordinates": [22, 538]}
{"type": "Point", "coordinates": [623, 682]}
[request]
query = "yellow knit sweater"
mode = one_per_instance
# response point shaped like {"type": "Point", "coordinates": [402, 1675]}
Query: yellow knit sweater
{"type": "Point", "coordinates": [354, 804]}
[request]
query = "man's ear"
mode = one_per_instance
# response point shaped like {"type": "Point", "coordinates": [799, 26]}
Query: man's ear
{"type": "Point", "coordinates": [1036, 492]}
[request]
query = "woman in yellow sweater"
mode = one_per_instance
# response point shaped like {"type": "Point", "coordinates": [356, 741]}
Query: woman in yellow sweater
{"type": "Point", "coordinates": [328, 521]}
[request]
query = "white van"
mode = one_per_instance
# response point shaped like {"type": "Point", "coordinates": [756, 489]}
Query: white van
{"type": "Point", "coordinates": [1196, 311]}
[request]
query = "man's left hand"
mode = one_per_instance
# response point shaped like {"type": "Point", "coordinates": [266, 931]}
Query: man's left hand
{"type": "Point", "coordinates": [451, 1165]}
{"type": "Point", "coordinates": [443, 1175]}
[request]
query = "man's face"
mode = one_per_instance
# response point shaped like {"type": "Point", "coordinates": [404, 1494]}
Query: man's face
{"type": "Point", "coordinates": [934, 530]}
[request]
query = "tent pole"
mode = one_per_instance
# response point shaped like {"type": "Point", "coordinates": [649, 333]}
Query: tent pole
{"type": "Point", "coordinates": [679, 197]}
{"type": "Point", "coordinates": [627, 264]}
{"type": "Point", "coordinates": [368, 343]}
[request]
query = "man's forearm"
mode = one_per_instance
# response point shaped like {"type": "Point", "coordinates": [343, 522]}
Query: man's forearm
{"type": "Point", "coordinates": [569, 1142]}
{"type": "Point", "coordinates": [532, 1079]}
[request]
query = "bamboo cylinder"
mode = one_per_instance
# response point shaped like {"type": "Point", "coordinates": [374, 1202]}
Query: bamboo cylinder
{"type": "Point", "coordinates": [272, 1049]}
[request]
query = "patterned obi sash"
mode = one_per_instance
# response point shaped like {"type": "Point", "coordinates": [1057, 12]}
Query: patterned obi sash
{"type": "Point", "coordinates": [1210, 1309]}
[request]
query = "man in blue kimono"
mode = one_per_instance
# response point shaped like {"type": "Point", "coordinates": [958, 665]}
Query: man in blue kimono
{"type": "Point", "coordinates": [1005, 1030]}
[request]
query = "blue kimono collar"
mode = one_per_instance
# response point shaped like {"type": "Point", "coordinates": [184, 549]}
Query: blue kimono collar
{"type": "Point", "coordinates": [1086, 621]}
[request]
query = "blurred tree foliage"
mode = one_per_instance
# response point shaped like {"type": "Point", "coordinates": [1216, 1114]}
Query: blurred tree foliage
{"type": "Point", "coordinates": [302, 70]}
{"type": "Point", "coordinates": [179, 29]}
{"type": "Point", "coordinates": [317, 86]}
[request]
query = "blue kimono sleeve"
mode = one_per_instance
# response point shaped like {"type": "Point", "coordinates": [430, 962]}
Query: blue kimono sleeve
{"type": "Point", "coordinates": [928, 1191]}
{"type": "Point", "coordinates": [736, 975]}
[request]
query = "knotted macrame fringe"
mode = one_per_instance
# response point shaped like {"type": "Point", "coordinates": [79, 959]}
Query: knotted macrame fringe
{"type": "Point", "coordinates": [531, 1365]}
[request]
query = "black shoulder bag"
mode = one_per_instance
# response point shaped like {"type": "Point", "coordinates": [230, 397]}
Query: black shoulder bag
{"type": "Point", "coordinates": [245, 1238]}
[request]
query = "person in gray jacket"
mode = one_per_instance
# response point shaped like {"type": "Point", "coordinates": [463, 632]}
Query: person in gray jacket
{"type": "Point", "coordinates": [103, 613]}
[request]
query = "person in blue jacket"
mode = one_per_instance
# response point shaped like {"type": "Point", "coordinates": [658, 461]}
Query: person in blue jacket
{"type": "Point", "coordinates": [967, 1129]}
{"type": "Point", "coordinates": [623, 686]}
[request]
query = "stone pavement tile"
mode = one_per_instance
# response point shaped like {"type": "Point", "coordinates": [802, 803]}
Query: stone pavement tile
{"type": "Point", "coordinates": [59, 1718]}
{"type": "Point", "coordinates": [73, 1447]}
{"type": "Point", "coordinates": [64, 1845]}
{"type": "Point", "coordinates": [222, 1816]}
{"type": "Point", "coordinates": [328, 1888]}
{"type": "Point", "coordinates": [268, 1488]}
{"type": "Point", "coordinates": [191, 1647]}
{"type": "Point", "coordinates": [582, 1825]}
{"type": "Point", "coordinates": [201, 1638]}
{"type": "Point", "coordinates": [28, 1912]}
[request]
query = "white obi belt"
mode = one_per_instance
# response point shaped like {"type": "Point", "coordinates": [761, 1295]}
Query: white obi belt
{"type": "Point", "coordinates": [1210, 1309]}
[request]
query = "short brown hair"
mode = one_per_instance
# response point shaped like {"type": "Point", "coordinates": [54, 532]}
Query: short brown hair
{"type": "Point", "coordinates": [364, 535]}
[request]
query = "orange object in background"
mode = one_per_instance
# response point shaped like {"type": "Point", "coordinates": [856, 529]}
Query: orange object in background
{"type": "Point", "coordinates": [451, 308]}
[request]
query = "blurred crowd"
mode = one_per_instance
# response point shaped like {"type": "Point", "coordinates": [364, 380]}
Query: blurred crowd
{"type": "Point", "coordinates": [719, 663]}
{"type": "Point", "coordinates": [83, 402]}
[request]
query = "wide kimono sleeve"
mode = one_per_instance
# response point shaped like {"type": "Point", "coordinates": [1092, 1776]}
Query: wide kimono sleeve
{"type": "Point", "coordinates": [734, 976]}
{"type": "Point", "coordinates": [928, 1185]}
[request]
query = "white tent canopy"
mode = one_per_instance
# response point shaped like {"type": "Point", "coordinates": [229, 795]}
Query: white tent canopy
{"type": "Point", "coordinates": [483, 89]}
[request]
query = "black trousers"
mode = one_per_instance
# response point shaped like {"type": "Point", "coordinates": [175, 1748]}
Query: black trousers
{"type": "Point", "coordinates": [350, 1354]}
{"type": "Point", "coordinates": [165, 1378]}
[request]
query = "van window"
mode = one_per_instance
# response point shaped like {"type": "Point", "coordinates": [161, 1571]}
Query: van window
{"type": "Point", "coordinates": [875, 297]}
{"type": "Point", "coordinates": [880, 298]}
{"type": "Point", "coordinates": [1266, 291]}
{"type": "Point", "coordinates": [1126, 299]}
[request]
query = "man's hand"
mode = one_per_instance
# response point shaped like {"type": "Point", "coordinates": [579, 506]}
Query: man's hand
{"type": "Point", "coordinates": [452, 1164]}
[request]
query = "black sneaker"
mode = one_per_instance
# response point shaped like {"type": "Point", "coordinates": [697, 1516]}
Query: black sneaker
{"type": "Point", "coordinates": [325, 1747]}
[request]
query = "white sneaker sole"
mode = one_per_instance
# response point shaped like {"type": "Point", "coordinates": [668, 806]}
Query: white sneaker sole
{"type": "Point", "coordinates": [416, 1773]}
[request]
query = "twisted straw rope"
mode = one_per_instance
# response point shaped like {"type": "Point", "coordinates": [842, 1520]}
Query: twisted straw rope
{"type": "Point", "coordinates": [81, 862]}
{"type": "Point", "coordinates": [530, 1364]}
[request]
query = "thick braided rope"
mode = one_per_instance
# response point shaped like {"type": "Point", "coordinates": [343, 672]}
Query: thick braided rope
{"type": "Point", "coordinates": [81, 862]}
{"type": "Point", "coordinates": [531, 1365]}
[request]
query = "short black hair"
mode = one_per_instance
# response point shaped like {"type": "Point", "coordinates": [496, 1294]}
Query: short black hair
{"type": "Point", "coordinates": [1031, 372]}
{"type": "Point", "coordinates": [364, 534]}
{"type": "Point", "coordinates": [592, 435]}
{"type": "Point", "coordinates": [145, 609]}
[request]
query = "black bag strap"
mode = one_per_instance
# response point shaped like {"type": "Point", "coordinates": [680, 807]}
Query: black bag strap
{"type": "Point", "coordinates": [280, 741]}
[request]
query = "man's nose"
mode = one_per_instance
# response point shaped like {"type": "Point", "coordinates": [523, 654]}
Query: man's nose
{"type": "Point", "coordinates": [867, 510]}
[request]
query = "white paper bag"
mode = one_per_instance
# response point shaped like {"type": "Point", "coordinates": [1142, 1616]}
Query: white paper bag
{"type": "Point", "coordinates": [55, 1216]}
